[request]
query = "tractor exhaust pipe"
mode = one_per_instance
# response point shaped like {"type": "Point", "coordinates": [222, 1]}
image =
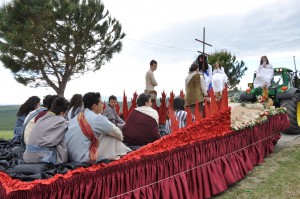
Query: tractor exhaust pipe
{"type": "Point", "coordinates": [296, 74]}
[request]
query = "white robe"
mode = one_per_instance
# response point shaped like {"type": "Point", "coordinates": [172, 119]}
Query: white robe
{"type": "Point", "coordinates": [219, 79]}
{"type": "Point", "coordinates": [208, 77]}
{"type": "Point", "coordinates": [264, 75]}
{"type": "Point", "coordinates": [111, 146]}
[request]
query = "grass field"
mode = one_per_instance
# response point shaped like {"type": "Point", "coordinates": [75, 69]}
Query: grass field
{"type": "Point", "coordinates": [8, 117]}
{"type": "Point", "coordinates": [6, 134]}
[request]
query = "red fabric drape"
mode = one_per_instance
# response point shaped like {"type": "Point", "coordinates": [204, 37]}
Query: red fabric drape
{"type": "Point", "coordinates": [194, 162]}
{"type": "Point", "coordinates": [125, 107]}
{"type": "Point", "coordinates": [162, 110]}
{"type": "Point", "coordinates": [133, 102]}
{"type": "Point", "coordinates": [174, 121]}
{"type": "Point", "coordinates": [189, 116]}
{"type": "Point", "coordinates": [89, 133]}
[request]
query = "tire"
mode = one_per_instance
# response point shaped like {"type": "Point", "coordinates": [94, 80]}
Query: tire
{"type": "Point", "coordinates": [292, 106]}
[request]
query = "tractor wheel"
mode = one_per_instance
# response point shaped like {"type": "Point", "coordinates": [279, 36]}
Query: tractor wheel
{"type": "Point", "coordinates": [292, 106]}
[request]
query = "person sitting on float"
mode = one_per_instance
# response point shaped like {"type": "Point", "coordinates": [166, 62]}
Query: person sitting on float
{"type": "Point", "coordinates": [76, 106]}
{"type": "Point", "coordinates": [46, 141]}
{"type": "Point", "coordinates": [111, 113]}
{"type": "Point", "coordinates": [33, 116]}
{"type": "Point", "coordinates": [180, 113]}
{"type": "Point", "coordinates": [91, 137]}
{"type": "Point", "coordinates": [31, 104]}
{"type": "Point", "coordinates": [141, 125]}
{"type": "Point", "coordinates": [264, 75]}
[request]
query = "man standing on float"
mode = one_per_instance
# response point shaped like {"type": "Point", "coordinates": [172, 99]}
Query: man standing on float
{"type": "Point", "coordinates": [150, 80]}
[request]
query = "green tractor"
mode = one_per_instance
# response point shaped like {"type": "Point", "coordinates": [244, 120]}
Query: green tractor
{"type": "Point", "coordinates": [284, 91]}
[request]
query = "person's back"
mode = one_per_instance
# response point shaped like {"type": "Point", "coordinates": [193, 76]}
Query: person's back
{"type": "Point", "coordinates": [31, 104]}
{"type": "Point", "coordinates": [141, 126]}
{"type": "Point", "coordinates": [76, 106]}
{"type": "Point", "coordinates": [180, 114]}
{"type": "Point", "coordinates": [45, 143]}
{"type": "Point", "coordinates": [35, 115]}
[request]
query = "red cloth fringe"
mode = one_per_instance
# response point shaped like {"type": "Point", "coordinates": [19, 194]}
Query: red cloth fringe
{"type": "Point", "coordinates": [198, 161]}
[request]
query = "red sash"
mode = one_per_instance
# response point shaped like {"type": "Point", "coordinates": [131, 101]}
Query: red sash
{"type": "Point", "coordinates": [89, 133]}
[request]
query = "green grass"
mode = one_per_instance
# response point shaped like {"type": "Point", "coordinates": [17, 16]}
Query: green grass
{"type": "Point", "coordinates": [6, 134]}
{"type": "Point", "coordinates": [8, 117]}
{"type": "Point", "coordinates": [278, 177]}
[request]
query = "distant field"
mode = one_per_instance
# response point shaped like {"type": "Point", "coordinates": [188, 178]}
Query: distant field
{"type": "Point", "coordinates": [6, 134]}
{"type": "Point", "coordinates": [8, 117]}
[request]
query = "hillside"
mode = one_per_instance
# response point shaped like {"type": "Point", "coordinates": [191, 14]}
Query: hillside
{"type": "Point", "coordinates": [8, 117]}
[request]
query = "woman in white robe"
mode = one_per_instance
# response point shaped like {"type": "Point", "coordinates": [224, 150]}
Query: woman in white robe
{"type": "Point", "coordinates": [264, 73]}
{"type": "Point", "coordinates": [219, 79]}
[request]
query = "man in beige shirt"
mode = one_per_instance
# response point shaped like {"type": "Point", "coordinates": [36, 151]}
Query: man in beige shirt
{"type": "Point", "coordinates": [150, 80]}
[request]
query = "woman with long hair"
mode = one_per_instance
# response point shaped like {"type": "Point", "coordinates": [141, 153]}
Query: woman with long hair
{"type": "Point", "coordinates": [76, 106]}
{"type": "Point", "coordinates": [31, 104]}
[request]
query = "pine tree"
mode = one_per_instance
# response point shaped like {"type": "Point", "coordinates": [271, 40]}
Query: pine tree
{"type": "Point", "coordinates": [50, 42]}
{"type": "Point", "coordinates": [234, 69]}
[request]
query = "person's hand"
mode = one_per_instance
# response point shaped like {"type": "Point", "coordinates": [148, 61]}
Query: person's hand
{"type": "Point", "coordinates": [206, 98]}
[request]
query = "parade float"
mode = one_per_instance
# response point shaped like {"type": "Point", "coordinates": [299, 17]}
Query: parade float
{"type": "Point", "coordinates": [198, 161]}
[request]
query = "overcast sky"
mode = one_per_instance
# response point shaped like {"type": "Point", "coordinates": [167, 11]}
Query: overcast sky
{"type": "Point", "coordinates": [165, 30]}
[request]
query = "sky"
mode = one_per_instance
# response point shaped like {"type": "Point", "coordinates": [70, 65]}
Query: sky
{"type": "Point", "coordinates": [166, 31]}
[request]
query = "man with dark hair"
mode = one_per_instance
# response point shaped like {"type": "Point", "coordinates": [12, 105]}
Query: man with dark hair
{"type": "Point", "coordinates": [142, 123]}
{"type": "Point", "coordinates": [91, 137]}
{"type": "Point", "coordinates": [150, 80]}
{"type": "Point", "coordinates": [111, 113]}
{"type": "Point", "coordinates": [46, 141]}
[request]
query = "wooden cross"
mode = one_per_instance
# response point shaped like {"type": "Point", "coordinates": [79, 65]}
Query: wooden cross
{"type": "Point", "coordinates": [203, 45]}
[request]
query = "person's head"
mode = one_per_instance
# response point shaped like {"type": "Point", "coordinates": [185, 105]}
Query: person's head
{"type": "Point", "coordinates": [31, 104]}
{"type": "Point", "coordinates": [60, 106]}
{"type": "Point", "coordinates": [217, 65]}
{"type": "Point", "coordinates": [263, 60]}
{"type": "Point", "coordinates": [92, 101]}
{"type": "Point", "coordinates": [76, 101]}
{"type": "Point", "coordinates": [153, 65]}
{"type": "Point", "coordinates": [48, 100]}
{"type": "Point", "coordinates": [144, 99]}
{"type": "Point", "coordinates": [200, 59]}
{"type": "Point", "coordinates": [193, 67]}
{"type": "Point", "coordinates": [112, 101]}
{"type": "Point", "coordinates": [178, 104]}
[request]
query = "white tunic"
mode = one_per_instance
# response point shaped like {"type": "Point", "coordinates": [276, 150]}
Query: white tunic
{"type": "Point", "coordinates": [208, 76]}
{"type": "Point", "coordinates": [264, 75]}
{"type": "Point", "coordinates": [111, 146]}
{"type": "Point", "coordinates": [219, 79]}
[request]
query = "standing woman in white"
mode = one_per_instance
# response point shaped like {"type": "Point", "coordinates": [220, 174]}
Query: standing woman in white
{"type": "Point", "coordinates": [219, 79]}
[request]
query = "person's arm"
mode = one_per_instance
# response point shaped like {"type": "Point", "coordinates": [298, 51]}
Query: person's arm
{"type": "Point", "coordinates": [203, 88]}
{"type": "Point", "coordinates": [103, 126]}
